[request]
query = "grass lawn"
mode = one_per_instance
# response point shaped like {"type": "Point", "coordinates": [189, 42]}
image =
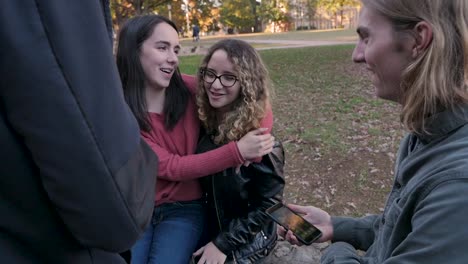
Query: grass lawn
{"type": "Point", "coordinates": [340, 140]}
{"type": "Point", "coordinates": [333, 34]}
{"type": "Point", "coordinates": [303, 35]}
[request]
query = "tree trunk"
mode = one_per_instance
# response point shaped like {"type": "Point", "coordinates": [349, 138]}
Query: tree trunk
{"type": "Point", "coordinates": [138, 5]}
{"type": "Point", "coordinates": [341, 18]}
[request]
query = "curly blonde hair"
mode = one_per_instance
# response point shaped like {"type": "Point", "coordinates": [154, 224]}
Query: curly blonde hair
{"type": "Point", "coordinates": [247, 111]}
{"type": "Point", "coordinates": [438, 79]}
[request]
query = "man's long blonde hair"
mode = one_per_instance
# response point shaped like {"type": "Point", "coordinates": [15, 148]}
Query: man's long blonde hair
{"type": "Point", "coordinates": [247, 111]}
{"type": "Point", "coordinates": [438, 79]}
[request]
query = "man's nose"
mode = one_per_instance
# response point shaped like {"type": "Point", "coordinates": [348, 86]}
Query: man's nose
{"type": "Point", "coordinates": [358, 52]}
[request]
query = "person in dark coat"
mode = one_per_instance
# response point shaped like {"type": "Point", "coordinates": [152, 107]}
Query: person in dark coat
{"type": "Point", "coordinates": [196, 33]}
{"type": "Point", "coordinates": [77, 182]}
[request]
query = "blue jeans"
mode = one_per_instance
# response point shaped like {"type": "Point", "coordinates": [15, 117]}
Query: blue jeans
{"type": "Point", "coordinates": [173, 234]}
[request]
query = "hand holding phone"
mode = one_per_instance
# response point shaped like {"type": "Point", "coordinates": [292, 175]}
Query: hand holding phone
{"type": "Point", "coordinates": [304, 231]}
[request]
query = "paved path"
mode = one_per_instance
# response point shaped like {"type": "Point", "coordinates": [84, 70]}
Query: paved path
{"type": "Point", "coordinates": [277, 44]}
{"type": "Point", "coordinates": [297, 43]}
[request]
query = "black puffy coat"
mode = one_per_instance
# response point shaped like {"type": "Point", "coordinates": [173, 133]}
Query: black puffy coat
{"type": "Point", "coordinates": [236, 204]}
{"type": "Point", "coordinates": [76, 181]}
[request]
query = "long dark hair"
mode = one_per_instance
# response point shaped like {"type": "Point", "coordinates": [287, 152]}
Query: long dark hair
{"type": "Point", "coordinates": [131, 37]}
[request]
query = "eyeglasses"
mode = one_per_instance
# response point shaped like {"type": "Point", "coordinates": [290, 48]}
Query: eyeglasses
{"type": "Point", "coordinates": [227, 80]}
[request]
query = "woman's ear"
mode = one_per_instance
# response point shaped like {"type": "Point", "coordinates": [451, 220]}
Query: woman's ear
{"type": "Point", "coordinates": [423, 37]}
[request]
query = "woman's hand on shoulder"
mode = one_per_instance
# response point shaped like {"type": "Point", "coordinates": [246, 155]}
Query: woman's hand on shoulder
{"type": "Point", "coordinates": [255, 144]}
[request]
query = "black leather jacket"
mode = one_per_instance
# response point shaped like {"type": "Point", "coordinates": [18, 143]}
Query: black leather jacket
{"type": "Point", "coordinates": [236, 204]}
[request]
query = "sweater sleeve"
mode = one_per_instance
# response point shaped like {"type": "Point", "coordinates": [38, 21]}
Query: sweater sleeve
{"type": "Point", "coordinates": [266, 122]}
{"type": "Point", "coordinates": [174, 167]}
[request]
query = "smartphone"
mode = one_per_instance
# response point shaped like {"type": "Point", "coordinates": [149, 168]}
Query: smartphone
{"type": "Point", "coordinates": [290, 220]}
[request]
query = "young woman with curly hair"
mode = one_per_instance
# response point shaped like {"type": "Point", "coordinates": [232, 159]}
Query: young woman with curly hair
{"type": "Point", "coordinates": [233, 98]}
{"type": "Point", "coordinates": [243, 104]}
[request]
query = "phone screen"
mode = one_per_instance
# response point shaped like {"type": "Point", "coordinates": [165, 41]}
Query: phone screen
{"type": "Point", "coordinates": [303, 230]}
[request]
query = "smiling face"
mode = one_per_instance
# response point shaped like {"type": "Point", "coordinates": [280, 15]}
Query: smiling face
{"type": "Point", "coordinates": [221, 97]}
{"type": "Point", "coordinates": [385, 52]}
{"type": "Point", "coordinates": [158, 56]}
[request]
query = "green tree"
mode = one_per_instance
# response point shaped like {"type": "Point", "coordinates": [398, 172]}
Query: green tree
{"type": "Point", "coordinates": [311, 9]}
{"type": "Point", "coordinates": [125, 9]}
{"type": "Point", "coordinates": [201, 14]}
{"type": "Point", "coordinates": [248, 14]}
{"type": "Point", "coordinates": [176, 12]}
{"type": "Point", "coordinates": [337, 7]}
{"type": "Point", "coordinates": [274, 11]}
{"type": "Point", "coordinates": [238, 14]}
{"type": "Point", "coordinates": [302, 10]}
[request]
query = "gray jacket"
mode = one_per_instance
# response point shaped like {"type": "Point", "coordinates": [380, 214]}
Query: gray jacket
{"type": "Point", "coordinates": [425, 218]}
{"type": "Point", "coordinates": [76, 181]}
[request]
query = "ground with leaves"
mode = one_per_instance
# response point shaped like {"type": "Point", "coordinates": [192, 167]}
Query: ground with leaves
{"type": "Point", "coordinates": [340, 140]}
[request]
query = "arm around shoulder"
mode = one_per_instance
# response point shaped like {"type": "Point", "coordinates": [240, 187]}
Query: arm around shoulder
{"type": "Point", "coordinates": [173, 167]}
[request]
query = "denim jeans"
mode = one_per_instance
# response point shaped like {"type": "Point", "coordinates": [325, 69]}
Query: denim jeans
{"type": "Point", "coordinates": [172, 236]}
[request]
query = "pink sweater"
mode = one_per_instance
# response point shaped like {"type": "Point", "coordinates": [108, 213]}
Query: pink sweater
{"type": "Point", "coordinates": [179, 167]}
